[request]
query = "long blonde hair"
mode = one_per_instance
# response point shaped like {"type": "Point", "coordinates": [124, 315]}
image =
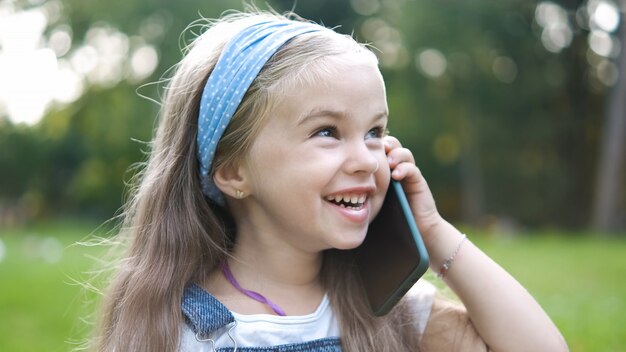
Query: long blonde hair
{"type": "Point", "coordinates": [172, 236]}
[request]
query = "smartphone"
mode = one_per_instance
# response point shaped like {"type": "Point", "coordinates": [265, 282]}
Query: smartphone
{"type": "Point", "coordinates": [393, 256]}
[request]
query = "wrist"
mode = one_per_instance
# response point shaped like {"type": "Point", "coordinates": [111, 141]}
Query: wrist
{"type": "Point", "coordinates": [430, 225]}
{"type": "Point", "coordinates": [447, 264]}
{"type": "Point", "coordinates": [441, 241]}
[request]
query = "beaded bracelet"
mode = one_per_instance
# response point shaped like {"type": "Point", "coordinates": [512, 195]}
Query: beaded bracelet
{"type": "Point", "coordinates": [448, 262]}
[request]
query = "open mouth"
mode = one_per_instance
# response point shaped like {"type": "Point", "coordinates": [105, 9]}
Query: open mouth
{"type": "Point", "coordinates": [349, 201]}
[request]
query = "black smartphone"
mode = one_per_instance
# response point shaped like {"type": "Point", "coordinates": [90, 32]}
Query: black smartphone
{"type": "Point", "coordinates": [393, 256]}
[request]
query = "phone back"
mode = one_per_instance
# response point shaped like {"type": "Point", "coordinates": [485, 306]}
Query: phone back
{"type": "Point", "coordinates": [393, 256]}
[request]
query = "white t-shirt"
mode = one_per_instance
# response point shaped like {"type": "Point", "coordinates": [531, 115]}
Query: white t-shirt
{"type": "Point", "coordinates": [263, 330]}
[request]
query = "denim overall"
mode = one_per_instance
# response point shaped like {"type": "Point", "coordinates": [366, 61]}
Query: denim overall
{"type": "Point", "coordinates": [207, 317]}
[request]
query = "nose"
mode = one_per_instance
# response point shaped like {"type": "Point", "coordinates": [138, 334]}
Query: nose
{"type": "Point", "coordinates": [361, 157]}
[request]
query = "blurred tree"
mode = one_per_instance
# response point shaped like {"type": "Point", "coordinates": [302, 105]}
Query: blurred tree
{"type": "Point", "coordinates": [501, 102]}
{"type": "Point", "coordinates": [76, 159]}
{"type": "Point", "coordinates": [498, 98]}
{"type": "Point", "coordinates": [608, 210]}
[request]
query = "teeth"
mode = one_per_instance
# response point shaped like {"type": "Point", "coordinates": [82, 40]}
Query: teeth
{"type": "Point", "coordinates": [348, 198]}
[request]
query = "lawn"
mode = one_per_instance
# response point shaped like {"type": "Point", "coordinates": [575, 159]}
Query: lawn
{"type": "Point", "coordinates": [578, 279]}
{"type": "Point", "coordinates": [580, 282]}
{"type": "Point", "coordinates": [40, 302]}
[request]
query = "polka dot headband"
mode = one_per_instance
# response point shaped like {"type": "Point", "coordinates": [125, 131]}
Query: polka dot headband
{"type": "Point", "coordinates": [239, 64]}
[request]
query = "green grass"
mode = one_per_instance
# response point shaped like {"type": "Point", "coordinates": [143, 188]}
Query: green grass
{"type": "Point", "coordinates": [580, 282]}
{"type": "Point", "coordinates": [41, 306]}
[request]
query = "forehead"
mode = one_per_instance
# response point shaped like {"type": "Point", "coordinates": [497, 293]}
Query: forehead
{"type": "Point", "coordinates": [351, 85]}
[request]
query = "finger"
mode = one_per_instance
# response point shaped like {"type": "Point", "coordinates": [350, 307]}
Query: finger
{"type": "Point", "coordinates": [400, 155]}
{"type": "Point", "coordinates": [405, 169]}
{"type": "Point", "coordinates": [391, 143]}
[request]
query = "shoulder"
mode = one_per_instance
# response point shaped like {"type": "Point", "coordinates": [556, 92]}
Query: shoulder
{"type": "Point", "coordinates": [450, 328]}
{"type": "Point", "coordinates": [423, 291]}
{"type": "Point", "coordinates": [419, 302]}
{"type": "Point", "coordinates": [443, 323]}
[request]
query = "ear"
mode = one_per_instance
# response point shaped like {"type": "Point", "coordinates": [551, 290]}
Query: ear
{"type": "Point", "coordinates": [231, 180]}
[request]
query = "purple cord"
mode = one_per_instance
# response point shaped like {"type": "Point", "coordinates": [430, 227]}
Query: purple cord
{"type": "Point", "coordinates": [254, 295]}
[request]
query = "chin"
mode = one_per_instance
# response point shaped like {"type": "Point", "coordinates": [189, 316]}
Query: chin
{"type": "Point", "coordinates": [348, 243]}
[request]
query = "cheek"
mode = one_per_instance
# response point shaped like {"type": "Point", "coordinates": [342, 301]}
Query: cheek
{"type": "Point", "coordinates": [268, 153]}
{"type": "Point", "coordinates": [383, 174]}
{"type": "Point", "coordinates": [277, 168]}
{"type": "Point", "coordinates": [383, 178]}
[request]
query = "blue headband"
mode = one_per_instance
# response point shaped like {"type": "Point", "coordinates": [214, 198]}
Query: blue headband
{"type": "Point", "coordinates": [239, 64]}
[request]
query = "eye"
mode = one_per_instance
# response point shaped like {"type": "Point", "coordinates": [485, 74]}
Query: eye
{"type": "Point", "coordinates": [326, 131]}
{"type": "Point", "coordinates": [376, 132]}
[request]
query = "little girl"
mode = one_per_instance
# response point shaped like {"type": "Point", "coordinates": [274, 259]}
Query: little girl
{"type": "Point", "coordinates": [269, 162]}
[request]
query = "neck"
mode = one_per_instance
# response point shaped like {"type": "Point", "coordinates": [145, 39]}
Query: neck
{"type": "Point", "coordinates": [268, 264]}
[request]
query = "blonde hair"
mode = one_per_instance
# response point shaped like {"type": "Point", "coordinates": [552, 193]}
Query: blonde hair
{"type": "Point", "coordinates": [173, 236]}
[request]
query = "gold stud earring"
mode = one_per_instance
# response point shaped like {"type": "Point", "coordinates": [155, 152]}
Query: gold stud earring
{"type": "Point", "coordinates": [239, 194]}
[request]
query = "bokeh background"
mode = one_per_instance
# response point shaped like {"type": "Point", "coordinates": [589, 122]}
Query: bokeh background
{"type": "Point", "coordinates": [515, 111]}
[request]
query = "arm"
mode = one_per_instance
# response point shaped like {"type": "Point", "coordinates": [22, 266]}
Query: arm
{"type": "Point", "coordinates": [505, 315]}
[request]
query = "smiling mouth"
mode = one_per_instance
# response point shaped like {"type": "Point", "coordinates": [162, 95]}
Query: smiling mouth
{"type": "Point", "coordinates": [348, 201]}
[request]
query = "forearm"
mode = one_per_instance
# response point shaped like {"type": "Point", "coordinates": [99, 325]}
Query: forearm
{"type": "Point", "coordinates": [503, 312]}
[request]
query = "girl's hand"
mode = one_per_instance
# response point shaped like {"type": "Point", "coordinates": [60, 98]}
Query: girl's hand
{"type": "Point", "coordinates": [420, 198]}
{"type": "Point", "coordinates": [505, 315]}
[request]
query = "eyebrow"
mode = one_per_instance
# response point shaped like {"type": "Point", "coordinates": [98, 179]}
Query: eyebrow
{"type": "Point", "coordinates": [335, 114]}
